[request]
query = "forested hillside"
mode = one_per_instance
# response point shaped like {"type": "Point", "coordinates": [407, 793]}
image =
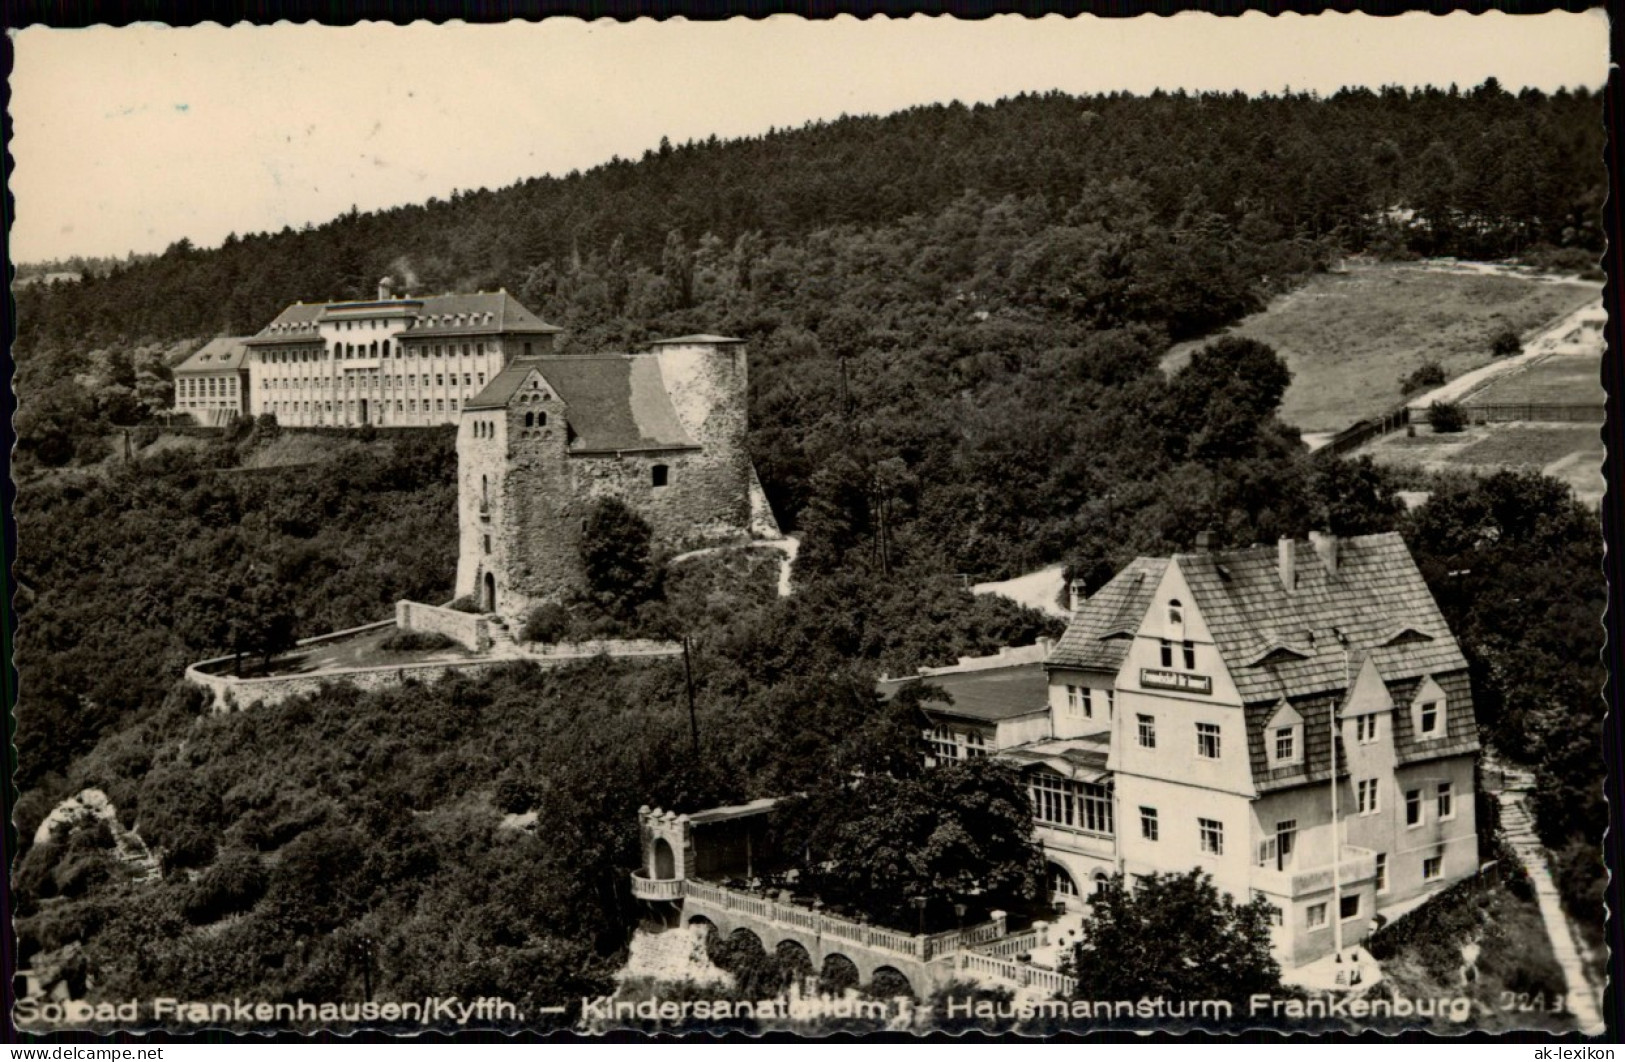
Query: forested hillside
{"type": "Point", "coordinates": [956, 317]}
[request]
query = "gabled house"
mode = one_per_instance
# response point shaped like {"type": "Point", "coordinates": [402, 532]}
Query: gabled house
{"type": "Point", "coordinates": [1223, 710]}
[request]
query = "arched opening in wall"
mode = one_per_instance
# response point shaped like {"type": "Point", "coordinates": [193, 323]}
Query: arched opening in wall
{"type": "Point", "coordinates": [665, 862]}
{"type": "Point", "coordinates": [659, 475]}
{"type": "Point", "coordinates": [1100, 880]}
{"type": "Point", "coordinates": [889, 983]}
{"type": "Point", "coordinates": [374, 348]}
{"type": "Point", "coordinates": [1063, 890]}
{"type": "Point", "coordinates": [541, 418]}
{"type": "Point", "coordinates": [838, 974]}
{"type": "Point", "coordinates": [530, 420]}
{"type": "Point", "coordinates": [490, 592]}
{"type": "Point", "coordinates": [794, 963]}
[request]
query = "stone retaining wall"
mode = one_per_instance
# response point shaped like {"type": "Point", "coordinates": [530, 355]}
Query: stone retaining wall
{"type": "Point", "coordinates": [229, 693]}
{"type": "Point", "coordinates": [467, 630]}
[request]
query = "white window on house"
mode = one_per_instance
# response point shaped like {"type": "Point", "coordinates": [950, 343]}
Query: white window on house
{"type": "Point", "coordinates": [1111, 703]}
{"type": "Point", "coordinates": [1207, 741]}
{"type": "Point", "coordinates": [1447, 803]}
{"type": "Point", "coordinates": [1315, 915]}
{"type": "Point", "coordinates": [1148, 824]}
{"type": "Point", "coordinates": [1366, 795]}
{"type": "Point", "coordinates": [1086, 702]}
{"type": "Point", "coordinates": [1413, 807]}
{"type": "Point", "coordinates": [975, 745]}
{"type": "Point", "coordinates": [1432, 868]}
{"type": "Point", "coordinates": [940, 744]}
{"type": "Point", "coordinates": [1428, 709]}
{"type": "Point", "coordinates": [1382, 871]}
{"type": "Point", "coordinates": [1167, 652]}
{"type": "Point", "coordinates": [1063, 802]}
{"type": "Point", "coordinates": [1061, 883]}
{"type": "Point", "coordinates": [1189, 654]}
{"type": "Point", "coordinates": [1147, 726]}
{"type": "Point", "coordinates": [1349, 906]}
{"type": "Point", "coordinates": [1286, 744]}
{"type": "Point", "coordinates": [1365, 729]}
{"type": "Point", "coordinates": [1211, 832]}
{"type": "Point", "coordinates": [1074, 699]}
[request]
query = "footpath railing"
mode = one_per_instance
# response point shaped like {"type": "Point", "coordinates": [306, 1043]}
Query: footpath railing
{"type": "Point", "coordinates": [921, 948]}
{"type": "Point", "coordinates": [1017, 973]}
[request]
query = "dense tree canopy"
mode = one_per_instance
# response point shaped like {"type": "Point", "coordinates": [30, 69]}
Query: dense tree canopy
{"type": "Point", "coordinates": [1175, 937]}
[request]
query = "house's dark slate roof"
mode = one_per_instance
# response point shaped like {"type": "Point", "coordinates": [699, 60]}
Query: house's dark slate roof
{"type": "Point", "coordinates": [986, 696]}
{"type": "Point", "coordinates": [1460, 738]}
{"type": "Point", "coordinates": [221, 354]}
{"type": "Point", "coordinates": [1375, 590]}
{"type": "Point", "coordinates": [1117, 607]}
{"type": "Point", "coordinates": [613, 402]}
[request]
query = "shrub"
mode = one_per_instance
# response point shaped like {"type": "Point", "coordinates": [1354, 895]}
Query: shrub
{"type": "Point", "coordinates": [1446, 417]}
{"type": "Point", "coordinates": [1428, 376]}
{"type": "Point", "coordinates": [409, 641]}
{"type": "Point", "coordinates": [234, 884]}
{"type": "Point", "coordinates": [545, 623]}
{"type": "Point", "coordinates": [517, 790]}
{"type": "Point", "coordinates": [144, 435]}
{"type": "Point", "coordinates": [190, 846]}
{"type": "Point", "coordinates": [468, 604]}
{"type": "Point", "coordinates": [1506, 343]}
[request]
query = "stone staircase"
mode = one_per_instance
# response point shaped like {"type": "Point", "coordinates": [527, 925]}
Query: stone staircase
{"type": "Point", "coordinates": [1519, 830]}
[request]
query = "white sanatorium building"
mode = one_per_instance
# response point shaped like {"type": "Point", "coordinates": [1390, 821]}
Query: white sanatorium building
{"type": "Point", "coordinates": [390, 361]}
{"type": "Point", "coordinates": [1185, 720]}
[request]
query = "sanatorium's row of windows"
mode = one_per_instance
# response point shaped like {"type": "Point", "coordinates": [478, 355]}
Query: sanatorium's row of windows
{"type": "Point", "coordinates": [374, 381]}
{"type": "Point", "coordinates": [192, 387]}
{"type": "Point", "coordinates": [409, 405]}
{"type": "Point", "coordinates": [350, 351]}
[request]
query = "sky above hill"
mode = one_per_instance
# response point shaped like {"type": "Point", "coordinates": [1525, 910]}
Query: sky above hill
{"type": "Point", "coordinates": [130, 139]}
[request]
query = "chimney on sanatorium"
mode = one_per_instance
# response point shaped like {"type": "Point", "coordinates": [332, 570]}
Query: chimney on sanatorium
{"type": "Point", "coordinates": [1286, 559]}
{"type": "Point", "coordinates": [384, 287]}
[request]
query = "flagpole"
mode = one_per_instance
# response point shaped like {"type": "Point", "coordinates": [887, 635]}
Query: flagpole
{"type": "Point", "coordinates": [1337, 843]}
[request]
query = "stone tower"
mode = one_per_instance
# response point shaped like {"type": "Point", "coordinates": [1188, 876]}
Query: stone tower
{"type": "Point", "coordinates": [664, 432]}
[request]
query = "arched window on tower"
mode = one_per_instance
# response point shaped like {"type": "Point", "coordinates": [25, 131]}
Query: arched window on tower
{"type": "Point", "coordinates": [541, 418]}
{"type": "Point", "coordinates": [485, 493]}
{"type": "Point", "coordinates": [530, 420]}
{"type": "Point", "coordinates": [659, 475]}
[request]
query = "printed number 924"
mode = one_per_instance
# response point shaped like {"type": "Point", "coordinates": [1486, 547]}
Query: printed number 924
{"type": "Point", "coordinates": [1525, 1002]}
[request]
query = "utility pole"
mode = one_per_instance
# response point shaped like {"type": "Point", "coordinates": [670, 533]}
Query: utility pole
{"type": "Point", "coordinates": [693, 719]}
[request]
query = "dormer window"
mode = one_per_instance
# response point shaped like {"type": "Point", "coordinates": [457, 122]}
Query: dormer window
{"type": "Point", "coordinates": [1283, 737]}
{"type": "Point", "coordinates": [1429, 711]}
